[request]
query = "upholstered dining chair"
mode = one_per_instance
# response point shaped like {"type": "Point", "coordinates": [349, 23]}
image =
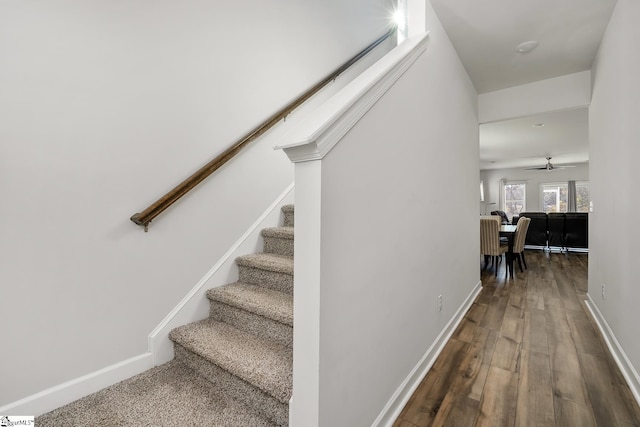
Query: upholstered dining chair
{"type": "Point", "coordinates": [490, 240]}
{"type": "Point", "coordinates": [519, 239]}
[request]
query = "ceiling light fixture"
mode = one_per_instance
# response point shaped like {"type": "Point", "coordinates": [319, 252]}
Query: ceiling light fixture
{"type": "Point", "coordinates": [538, 125]}
{"type": "Point", "coordinates": [527, 47]}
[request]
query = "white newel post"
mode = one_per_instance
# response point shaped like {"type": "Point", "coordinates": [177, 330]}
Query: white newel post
{"type": "Point", "coordinates": [304, 405]}
{"type": "Point", "coordinates": [317, 133]}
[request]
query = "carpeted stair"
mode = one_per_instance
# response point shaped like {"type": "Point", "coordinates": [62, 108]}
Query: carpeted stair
{"type": "Point", "coordinates": [246, 343]}
{"type": "Point", "coordinates": [233, 368]}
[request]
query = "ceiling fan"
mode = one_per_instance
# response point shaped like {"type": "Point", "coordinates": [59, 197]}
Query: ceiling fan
{"type": "Point", "coordinates": [549, 166]}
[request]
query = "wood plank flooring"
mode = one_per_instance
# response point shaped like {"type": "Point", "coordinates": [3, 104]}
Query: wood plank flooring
{"type": "Point", "coordinates": [526, 354]}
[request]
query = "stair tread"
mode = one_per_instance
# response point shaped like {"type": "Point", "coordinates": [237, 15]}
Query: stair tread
{"type": "Point", "coordinates": [267, 261]}
{"type": "Point", "coordinates": [168, 394]}
{"type": "Point", "coordinates": [256, 299]}
{"type": "Point", "coordinates": [264, 363]}
{"type": "Point", "coordinates": [279, 232]}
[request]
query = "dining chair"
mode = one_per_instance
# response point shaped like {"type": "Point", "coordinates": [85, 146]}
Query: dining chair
{"type": "Point", "coordinates": [490, 240]}
{"type": "Point", "coordinates": [519, 239]}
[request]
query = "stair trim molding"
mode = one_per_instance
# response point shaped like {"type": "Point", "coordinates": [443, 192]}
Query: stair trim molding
{"type": "Point", "coordinates": [67, 392]}
{"type": "Point", "coordinates": [401, 396]}
{"type": "Point", "coordinates": [195, 305]}
{"type": "Point", "coordinates": [624, 364]}
{"type": "Point", "coordinates": [321, 129]}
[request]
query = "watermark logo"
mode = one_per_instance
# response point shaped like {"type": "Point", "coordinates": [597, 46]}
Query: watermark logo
{"type": "Point", "coordinates": [16, 421]}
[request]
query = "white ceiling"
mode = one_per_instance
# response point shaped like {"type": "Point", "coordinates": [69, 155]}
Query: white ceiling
{"type": "Point", "coordinates": [521, 143]}
{"type": "Point", "coordinates": [485, 34]}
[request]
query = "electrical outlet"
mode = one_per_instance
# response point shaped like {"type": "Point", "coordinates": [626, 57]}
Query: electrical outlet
{"type": "Point", "coordinates": [604, 291]}
{"type": "Point", "coordinates": [440, 302]}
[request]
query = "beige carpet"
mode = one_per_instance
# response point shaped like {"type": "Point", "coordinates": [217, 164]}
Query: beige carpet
{"type": "Point", "coordinates": [168, 395]}
{"type": "Point", "coordinates": [232, 369]}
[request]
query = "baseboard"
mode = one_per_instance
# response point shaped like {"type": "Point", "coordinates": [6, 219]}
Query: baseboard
{"type": "Point", "coordinates": [195, 306]}
{"type": "Point", "coordinates": [624, 364]}
{"type": "Point", "coordinates": [402, 395]}
{"type": "Point", "coordinates": [62, 394]}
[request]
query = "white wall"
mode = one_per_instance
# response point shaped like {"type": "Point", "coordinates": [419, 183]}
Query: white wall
{"type": "Point", "coordinates": [554, 94]}
{"type": "Point", "coordinates": [491, 179]}
{"type": "Point", "coordinates": [614, 131]}
{"type": "Point", "coordinates": [107, 105]}
{"type": "Point", "coordinates": [385, 254]}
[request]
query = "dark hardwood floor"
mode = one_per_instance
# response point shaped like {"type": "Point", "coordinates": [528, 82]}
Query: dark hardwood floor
{"type": "Point", "coordinates": [526, 354]}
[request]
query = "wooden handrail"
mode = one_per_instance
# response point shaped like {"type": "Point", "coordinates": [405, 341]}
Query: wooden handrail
{"type": "Point", "coordinates": [146, 216]}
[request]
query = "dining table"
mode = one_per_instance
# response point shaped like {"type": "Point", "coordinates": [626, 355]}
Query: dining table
{"type": "Point", "coordinates": [509, 231]}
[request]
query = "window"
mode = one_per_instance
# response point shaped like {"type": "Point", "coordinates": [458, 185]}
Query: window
{"type": "Point", "coordinates": [559, 197]}
{"type": "Point", "coordinates": [582, 196]}
{"type": "Point", "coordinates": [514, 197]}
{"type": "Point", "coordinates": [554, 197]}
{"type": "Point", "coordinates": [401, 18]}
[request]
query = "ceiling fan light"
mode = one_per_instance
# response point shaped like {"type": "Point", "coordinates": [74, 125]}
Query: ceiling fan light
{"type": "Point", "coordinates": [527, 46]}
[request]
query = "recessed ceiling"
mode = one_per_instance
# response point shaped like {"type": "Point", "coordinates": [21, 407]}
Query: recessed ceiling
{"type": "Point", "coordinates": [486, 35]}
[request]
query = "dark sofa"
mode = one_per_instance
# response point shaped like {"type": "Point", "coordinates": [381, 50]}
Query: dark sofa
{"type": "Point", "coordinates": [576, 230]}
{"type": "Point", "coordinates": [556, 226]}
{"type": "Point", "coordinates": [565, 230]}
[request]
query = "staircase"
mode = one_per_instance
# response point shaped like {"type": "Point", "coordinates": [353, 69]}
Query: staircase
{"type": "Point", "coordinates": [245, 345]}
{"type": "Point", "coordinates": [232, 369]}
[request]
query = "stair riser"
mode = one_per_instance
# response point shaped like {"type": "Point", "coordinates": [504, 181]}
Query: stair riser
{"type": "Point", "coordinates": [269, 279]}
{"type": "Point", "coordinates": [275, 245]}
{"type": "Point", "coordinates": [288, 219]}
{"type": "Point", "coordinates": [252, 323]}
{"type": "Point", "coordinates": [237, 388]}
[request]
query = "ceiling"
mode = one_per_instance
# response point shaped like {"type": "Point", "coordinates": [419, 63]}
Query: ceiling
{"type": "Point", "coordinates": [524, 143]}
{"type": "Point", "coordinates": [485, 35]}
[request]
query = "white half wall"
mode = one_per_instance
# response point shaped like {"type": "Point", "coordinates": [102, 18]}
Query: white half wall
{"type": "Point", "coordinates": [614, 132]}
{"type": "Point", "coordinates": [383, 256]}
